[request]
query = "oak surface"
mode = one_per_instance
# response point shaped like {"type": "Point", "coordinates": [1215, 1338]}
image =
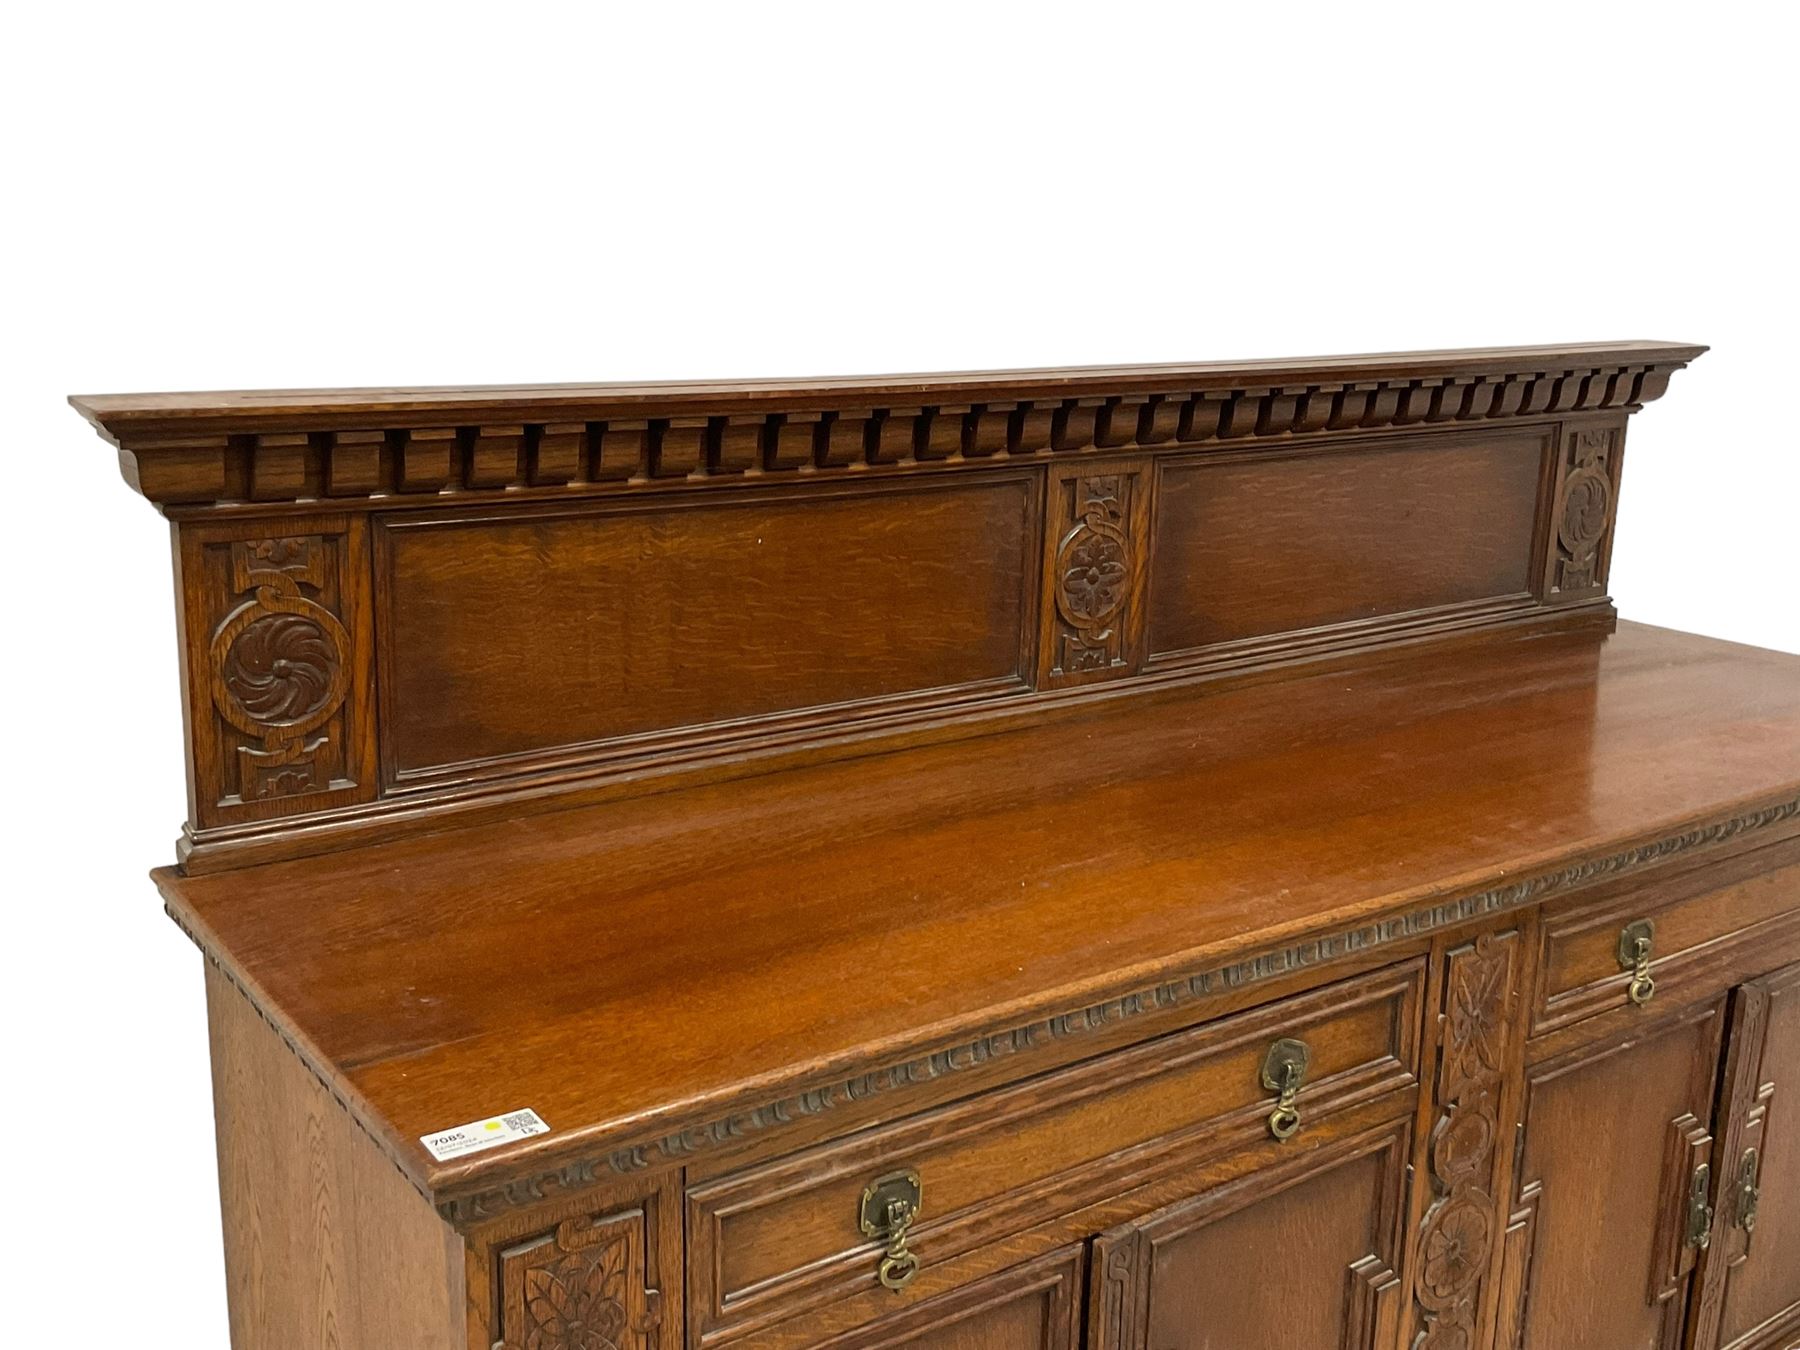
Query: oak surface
{"type": "Point", "coordinates": [449, 977]}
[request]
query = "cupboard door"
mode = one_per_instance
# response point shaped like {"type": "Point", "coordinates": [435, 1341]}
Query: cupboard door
{"type": "Point", "coordinates": [1750, 1274]}
{"type": "Point", "coordinates": [1035, 1306]}
{"type": "Point", "coordinates": [1298, 1254]}
{"type": "Point", "coordinates": [1617, 1159]}
{"type": "Point", "coordinates": [585, 1286]}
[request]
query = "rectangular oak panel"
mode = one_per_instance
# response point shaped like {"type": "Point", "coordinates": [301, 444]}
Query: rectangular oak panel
{"type": "Point", "coordinates": [1249, 547]}
{"type": "Point", "coordinates": [1301, 1254]}
{"type": "Point", "coordinates": [1597, 1247]}
{"type": "Point", "coordinates": [509, 634]}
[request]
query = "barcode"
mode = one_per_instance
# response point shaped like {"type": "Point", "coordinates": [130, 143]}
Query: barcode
{"type": "Point", "coordinates": [523, 1120]}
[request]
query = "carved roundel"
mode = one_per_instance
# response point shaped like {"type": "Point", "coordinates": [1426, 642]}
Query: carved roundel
{"type": "Point", "coordinates": [1465, 1140]}
{"type": "Point", "coordinates": [1454, 1252]}
{"type": "Point", "coordinates": [1587, 501]}
{"type": "Point", "coordinates": [278, 665]}
{"type": "Point", "coordinates": [1091, 573]}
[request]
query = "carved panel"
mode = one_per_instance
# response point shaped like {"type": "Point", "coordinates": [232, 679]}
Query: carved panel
{"type": "Point", "coordinates": [1457, 1236]}
{"type": "Point", "coordinates": [1581, 521]}
{"type": "Point", "coordinates": [580, 1288]}
{"type": "Point", "coordinates": [278, 666]}
{"type": "Point", "coordinates": [274, 659]}
{"type": "Point", "coordinates": [1094, 575]}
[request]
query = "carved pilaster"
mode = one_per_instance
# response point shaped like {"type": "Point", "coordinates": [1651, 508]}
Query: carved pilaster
{"type": "Point", "coordinates": [1585, 503]}
{"type": "Point", "coordinates": [1456, 1239]}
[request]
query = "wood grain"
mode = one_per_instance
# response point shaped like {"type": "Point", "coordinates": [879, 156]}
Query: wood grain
{"type": "Point", "coordinates": [327, 1246]}
{"type": "Point", "coordinates": [681, 616]}
{"type": "Point", "coordinates": [1136, 848]}
{"type": "Point", "coordinates": [1604, 1170]}
{"type": "Point", "coordinates": [1251, 547]}
{"type": "Point", "coordinates": [521, 599]}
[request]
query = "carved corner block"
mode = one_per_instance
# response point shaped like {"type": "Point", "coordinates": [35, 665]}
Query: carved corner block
{"type": "Point", "coordinates": [1094, 568]}
{"type": "Point", "coordinates": [277, 645]}
{"type": "Point", "coordinates": [1584, 505]}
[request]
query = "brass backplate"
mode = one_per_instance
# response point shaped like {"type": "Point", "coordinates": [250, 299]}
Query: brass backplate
{"type": "Point", "coordinates": [1638, 930]}
{"type": "Point", "coordinates": [880, 1193]}
{"type": "Point", "coordinates": [1275, 1075]}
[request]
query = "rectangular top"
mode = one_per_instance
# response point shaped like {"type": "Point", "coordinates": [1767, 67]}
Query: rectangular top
{"type": "Point", "coordinates": [684, 961]}
{"type": "Point", "coordinates": [120, 414]}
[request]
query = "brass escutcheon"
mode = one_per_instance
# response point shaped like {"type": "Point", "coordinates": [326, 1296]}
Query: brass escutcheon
{"type": "Point", "coordinates": [1284, 1069]}
{"type": "Point", "coordinates": [1749, 1192]}
{"type": "Point", "coordinates": [1699, 1208]}
{"type": "Point", "coordinates": [1635, 943]}
{"type": "Point", "coordinates": [890, 1205]}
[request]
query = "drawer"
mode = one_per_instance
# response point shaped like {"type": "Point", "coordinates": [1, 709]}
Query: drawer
{"type": "Point", "coordinates": [1692, 924]}
{"type": "Point", "coordinates": [777, 1238]}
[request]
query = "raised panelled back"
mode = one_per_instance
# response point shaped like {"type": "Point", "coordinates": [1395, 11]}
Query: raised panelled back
{"type": "Point", "coordinates": [506, 634]}
{"type": "Point", "coordinates": [1249, 546]}
{"type": "Point", "coordinates": [539, 615]}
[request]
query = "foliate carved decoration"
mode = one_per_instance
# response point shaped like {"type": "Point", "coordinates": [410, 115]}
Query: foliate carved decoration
{"type": "Point", "coordinates": [581, 1289]}
{"type": "Point", "coordinates": [1092, 573]}
{"type": "Point", "coordinates": [577, 1304]}
{"type": "Point", "coordinates": [1584, 511]}
{"type": "Point", "coordinates": [1460, 1226]}
{"type": "Point", "coordinates": [279, 670]}
{"type": "Point", "coordinates": [1464, 1143]}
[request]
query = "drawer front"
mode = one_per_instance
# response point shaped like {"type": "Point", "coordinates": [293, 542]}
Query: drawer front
{"type": "Point", "coordinates": [775, 1239]}
{"type": "Point", "coordinates": [1592, 962]}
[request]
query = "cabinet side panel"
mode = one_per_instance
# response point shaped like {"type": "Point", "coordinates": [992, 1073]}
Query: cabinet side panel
{"type": "Point", "coordinates": [326, 1244]}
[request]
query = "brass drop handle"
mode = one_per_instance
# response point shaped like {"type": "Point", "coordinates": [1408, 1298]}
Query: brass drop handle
{"type": "Point", "coordinates": [1284, 1069]}
{"type": "Point", "coordinates": [1749, 1191]}
{"type": "Point", "coordinates": [890, 1207]}
{"type": "Point", "coordinates": [1635, 943]}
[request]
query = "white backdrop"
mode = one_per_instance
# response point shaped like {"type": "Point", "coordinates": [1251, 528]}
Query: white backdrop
{"type": "Point", "coordinates": [213, 196]}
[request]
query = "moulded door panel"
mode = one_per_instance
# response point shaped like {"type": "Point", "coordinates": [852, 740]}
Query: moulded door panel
{"type": "Point", "coordinates": [1302, 1254]}
{"type": "Point", "coordinates": [1616, 1132]}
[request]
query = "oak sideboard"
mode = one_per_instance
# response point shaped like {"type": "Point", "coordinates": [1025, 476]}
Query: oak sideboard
{"type": "Point", "coordinates": [1144, 858]}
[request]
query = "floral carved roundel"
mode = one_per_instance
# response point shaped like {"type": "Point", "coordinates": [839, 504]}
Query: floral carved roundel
{"type": "Point", "coordinates": [1091, 574]}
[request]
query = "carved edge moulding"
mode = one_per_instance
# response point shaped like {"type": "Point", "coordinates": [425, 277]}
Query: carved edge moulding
{"type": "Point", "coordinates": [1476, 1040]}
{"type": "Point", "coordinates": [285, 506]}
{"type": "Point", "coordinates": [363, 447]}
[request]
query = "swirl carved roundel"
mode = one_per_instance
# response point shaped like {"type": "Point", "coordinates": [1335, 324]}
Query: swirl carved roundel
{"type": "Point", "coordinates": [278, 665]}
{"type": "Point", "coordinates": [1586, 502]}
